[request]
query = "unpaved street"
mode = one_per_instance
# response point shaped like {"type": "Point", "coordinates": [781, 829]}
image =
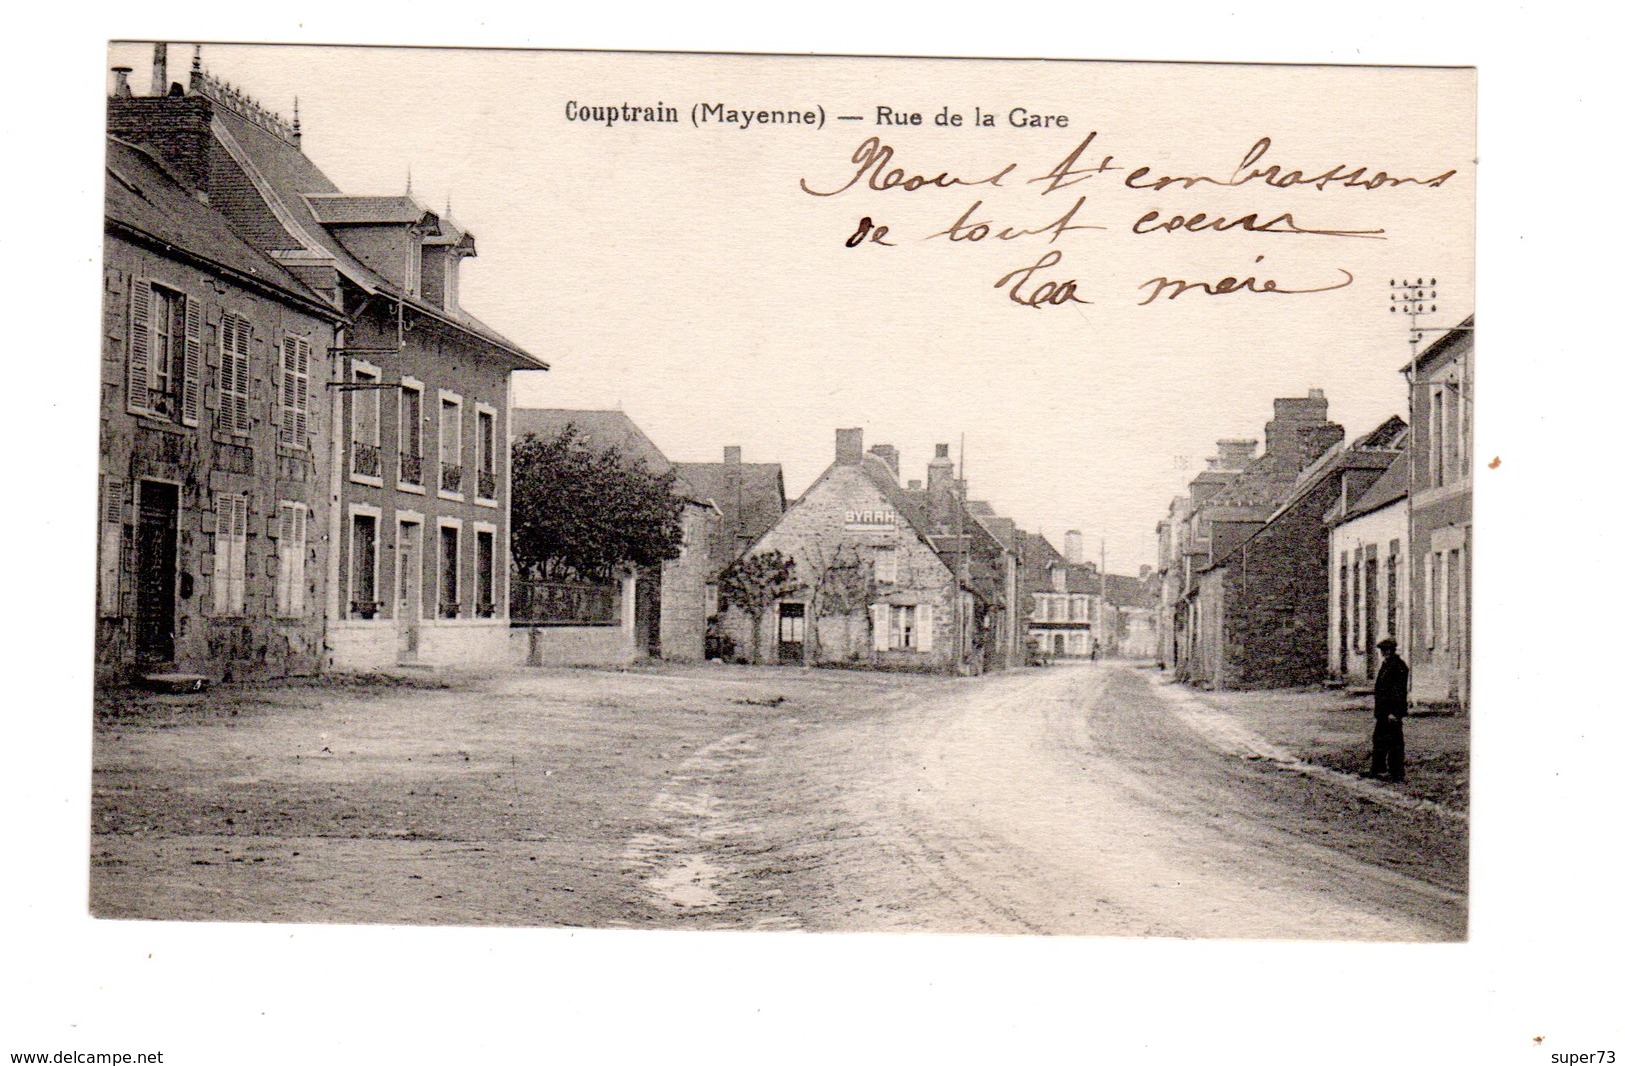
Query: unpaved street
{"type": "Point", "coordinates": [1084, 800]}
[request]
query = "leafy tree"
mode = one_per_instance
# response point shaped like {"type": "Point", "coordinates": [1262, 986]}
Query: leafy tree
{"type": "Point", "coordinates": [581, 512]}
{"type": "Point", "coordinates": [753, 583]}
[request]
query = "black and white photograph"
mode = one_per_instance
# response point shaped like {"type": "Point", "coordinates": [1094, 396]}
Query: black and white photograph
{"type": "Point", "coordinates": [682, 513]}
{"type": "Point", "coordinates": [907, 553]}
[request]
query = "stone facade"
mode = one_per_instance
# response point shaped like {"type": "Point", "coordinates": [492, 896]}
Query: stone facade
{"type": "Point", "coordinates": [212, 547]}
{"type": "Point", "coordinates": [873, 590]}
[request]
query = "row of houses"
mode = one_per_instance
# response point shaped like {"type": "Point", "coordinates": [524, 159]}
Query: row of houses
{"type": "Point", "coordinates": [895, 573]}
{"type": "Point", "coordinates": [306, 441]}
{"type": "Point", "coordinates": [303, 447]}
{"type": "Point", "coordinates": [1287, 567]}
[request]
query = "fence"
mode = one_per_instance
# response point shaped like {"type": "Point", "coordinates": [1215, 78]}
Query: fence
{"type": "Point", "coordinates": [562, 603]}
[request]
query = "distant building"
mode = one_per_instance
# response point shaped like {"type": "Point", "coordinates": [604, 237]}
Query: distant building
{"type": "Point", "coordinates": [1261, 605]}
{"type": "Point", "coordinates": [748, 496]}
{"type": "Point", "coordinates": [1440, 640]}
{"type": "Point", "coordinates": [876, 585]}
{"type": "Point", "coordinates": [1077, 614]}
{"type": "Point", "coordinates": [215, 446]}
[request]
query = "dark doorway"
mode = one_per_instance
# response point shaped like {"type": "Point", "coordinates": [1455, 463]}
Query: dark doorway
{"type": "Point", "coordinates": [155, 572]}
{"type": "Point", "coordinates": [792, 632]}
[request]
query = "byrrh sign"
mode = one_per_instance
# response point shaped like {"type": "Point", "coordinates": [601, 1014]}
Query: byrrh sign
{"type": "Point", "coordinates": [885, 518]}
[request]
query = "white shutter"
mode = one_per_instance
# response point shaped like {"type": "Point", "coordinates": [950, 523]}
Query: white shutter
{"type": "Point", "coordinates": [113, 499]}
{"type": "Point", "coordinates": [302, 392]}
{"type": "Point", "coordinates": [922, 627]}
{"type": "Point", "coordinates": [284, 558]}
{"type": "Point", "coordinates": [222, 556]}
{"type": "Point", "coordinates": [239, 553]}
{"type": "Point", "coordinates": [140, 363]}
{"type": "Point", "coordinates": [192, 364]}
{"type": "Point", "coordinates": [881, 624]}
{"type": "Point", "coordinates": [296, 547]}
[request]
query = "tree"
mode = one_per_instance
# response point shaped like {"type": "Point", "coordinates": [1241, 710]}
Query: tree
{"type": "Point", "coordinates": [844, 583]}
{"type": "Point", "coordinates": [753, 583]}
{"type": "Point", "coordinates": [584, 513]}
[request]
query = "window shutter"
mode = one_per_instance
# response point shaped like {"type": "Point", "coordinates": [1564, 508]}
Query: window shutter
{"type": "Point", "coordinates": [192, 379]}
{"type": "Point", "coordinates": [140, 364]}
{"type": "Point", "coordinates": [284, 557]}
{"type": "Point", "coordinates": [922, 627]}
{"type": "Point", "coordinates": [222, 556]}
{"type": "Point", "coordinates": [113, 496]}
{"type": "Point", "coordinates": [881, 625]}
{"type": "Point", "coordinates": [239, 552]}
{"type": "Point", "coordinates": [296, 553]}
{"type": "Point", "coordinates": [280, 388]}
{"type": "Point", "coordinates": [301, 391]}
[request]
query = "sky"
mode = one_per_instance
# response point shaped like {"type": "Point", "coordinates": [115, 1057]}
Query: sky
{"type": "Point", "coordinates": [688, 275]}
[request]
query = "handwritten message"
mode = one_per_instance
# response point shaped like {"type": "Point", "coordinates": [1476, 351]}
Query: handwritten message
{"type": "Point", "coordinates": [1052, 209]}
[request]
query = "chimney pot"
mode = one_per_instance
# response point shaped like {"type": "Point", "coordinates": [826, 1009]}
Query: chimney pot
{"type": "Point", "coordinates": [942, 451]}
{"type": "Point", "coordinates": [160, 69]}
{"type": "Point", "coordinates": [731, 454]}
{"type": "Point", "coordinates": [914, 485]}
{"type": "Point", "coordinates": [121, 81]}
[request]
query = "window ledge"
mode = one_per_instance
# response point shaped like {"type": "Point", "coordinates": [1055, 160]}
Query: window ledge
{"type": "Point", "coordinates": [367, 479]}
{"type": "Point", "coordinates": [483, 502]}
{"type": "Point", "coordinates": [406, 486]}
{"type": "Point", "coordinates": [455, 497]}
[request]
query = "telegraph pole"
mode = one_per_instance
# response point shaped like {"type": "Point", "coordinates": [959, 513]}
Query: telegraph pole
{"type": "Point", "coordinates": [1414, 299]}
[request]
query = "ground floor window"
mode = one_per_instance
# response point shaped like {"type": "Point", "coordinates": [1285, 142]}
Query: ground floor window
{"type": "Point", "coordinates": [902, 627]}
{"type": "Point", "coordinates": [230, 554]}
{"type": "Point", "coordinates": [449, 584]}
{"type": "Point", "coordinates": [484, 575]}
{"type": "Point", "coordinates": [290, 558]}
{"type": "Point", "coordinates": [364, 566]}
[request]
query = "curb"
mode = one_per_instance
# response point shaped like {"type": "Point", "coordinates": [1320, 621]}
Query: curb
{"type": "Point", "coordinates": [1225, 733]}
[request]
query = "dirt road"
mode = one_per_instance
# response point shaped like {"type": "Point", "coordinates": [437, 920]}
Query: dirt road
{"type": "Point", "coordinates": [1079, 800]}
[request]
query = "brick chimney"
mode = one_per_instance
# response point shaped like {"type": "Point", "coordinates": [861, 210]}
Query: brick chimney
{"type": "Point", "coordinates": [1299, 428]}
{"type": "Point", "coordinates": [887, 454]}
{"type": "Point", "coordinates": [849, 446]}
{"type": "Point", "coordinates": [121, 82]}
{"type": "Point", "coordinates": [939, 488]}
{"type": "Point", "coordinates": [1074, 547]}
{"type": "Point", "coordinates": [1235, 454]}
{"type": "Point", "coordinates": [173, 128]}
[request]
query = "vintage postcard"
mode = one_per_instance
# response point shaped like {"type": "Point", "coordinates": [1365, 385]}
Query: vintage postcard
{"type": "Point", "coordinates": [683, 491]}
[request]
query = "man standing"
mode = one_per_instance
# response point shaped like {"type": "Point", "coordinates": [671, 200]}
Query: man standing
{"type": "Point", "coordinates": [1391, 696]}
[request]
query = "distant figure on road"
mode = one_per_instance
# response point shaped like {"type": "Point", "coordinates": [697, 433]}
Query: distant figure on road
{"type": "Point", "coordinates": [1392, 697]}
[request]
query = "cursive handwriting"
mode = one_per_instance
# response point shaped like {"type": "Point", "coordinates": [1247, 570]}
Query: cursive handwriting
{"type": "Point", "coordinates": [1200, 223]}
{"type": "Point", "coordinates": [964, 229]}
{"type": "Point", "coordinates": [1225, 286]}
{"type": "Point", "coordinates": [871, 159]}
{"type": "Point", "coordinates": [1048, 292]}
{"type": "Point", "coordinates": [1273, 175]}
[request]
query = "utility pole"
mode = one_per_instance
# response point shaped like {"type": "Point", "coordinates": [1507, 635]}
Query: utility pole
{"type": "Point", "coordinates": [1414, 299]}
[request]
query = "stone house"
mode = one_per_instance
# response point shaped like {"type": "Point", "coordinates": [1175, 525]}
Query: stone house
{"type": "Point", "coordinates": [415, 389]}
{"type": "Point", "coordinates": [1439, 648]}
{"type": "Point", "coordinates": [213, 496]}
{"type": "Point", "coordinates": [874, 587]}
{"type": "Point", "coordinates": [1261, 607]}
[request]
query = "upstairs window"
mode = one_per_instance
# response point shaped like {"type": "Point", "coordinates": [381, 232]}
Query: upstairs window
{"type": "Point", "coordinates": [411, 435]}
{"type": "Point", "coordinates": [451, 445]}
{"type": "Point", "coordinates": [485, 444]}
{"type": "Point", "coordinates": [365, 459]}
{"type": "Point", "coordinates": [234, 376]}
{"type": "Point", "coordinates": [166, 353]}
{"type": "Point", "coordinates": [293, 402]}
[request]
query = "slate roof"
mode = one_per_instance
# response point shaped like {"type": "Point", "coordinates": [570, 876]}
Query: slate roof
{"type": "Point", "coordinates": [755, 507]}
{"type": "Point", "coordinates": [295, 182]}
{"type": "Point", "coordinates": [337, 209]}
{"type": "Point", "coordinates": [1394, 485]}
{"type": "Point", "coordinates": [142, 197]}
{"type": "Point", "coordinates": [599, 430]}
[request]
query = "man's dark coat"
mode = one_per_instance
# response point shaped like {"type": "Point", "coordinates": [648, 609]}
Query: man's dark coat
{"type": "Point", "coordinates": [1393, 686]}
